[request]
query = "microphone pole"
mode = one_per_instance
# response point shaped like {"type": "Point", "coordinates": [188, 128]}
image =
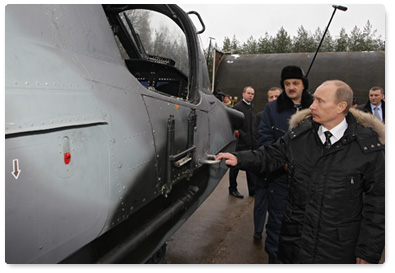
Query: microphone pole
{"type": "Point", "coordinates": [336, 7]}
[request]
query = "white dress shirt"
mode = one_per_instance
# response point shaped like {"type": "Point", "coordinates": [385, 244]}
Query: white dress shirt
{"type": "Point", "coordinates": [248, 103]}
{"type": "Point", "coordinates": [337, 132]}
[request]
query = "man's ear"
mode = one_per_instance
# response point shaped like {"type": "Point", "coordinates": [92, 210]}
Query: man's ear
{"type": "Point", "coordinates": [341, 106]}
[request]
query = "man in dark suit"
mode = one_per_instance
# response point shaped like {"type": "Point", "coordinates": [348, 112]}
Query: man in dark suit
{"type": "Point", "coordinates": [376, 104]}
{"type": "Point", "coordinates": [246, 140]}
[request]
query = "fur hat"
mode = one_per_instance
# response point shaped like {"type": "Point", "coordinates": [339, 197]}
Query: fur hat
{"type": "Point", "coordinates": [293, 72]}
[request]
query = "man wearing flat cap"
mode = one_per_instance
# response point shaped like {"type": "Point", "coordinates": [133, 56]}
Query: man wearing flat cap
{"type": "Point", "coordinates": [271, 188]}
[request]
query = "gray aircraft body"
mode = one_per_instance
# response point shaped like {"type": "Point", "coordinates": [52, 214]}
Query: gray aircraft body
{"type": "Point", "coordinates": [110, 125]}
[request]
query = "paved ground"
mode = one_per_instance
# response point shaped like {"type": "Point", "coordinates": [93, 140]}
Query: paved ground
{"type": "Point", "coordinates": [219, 232]}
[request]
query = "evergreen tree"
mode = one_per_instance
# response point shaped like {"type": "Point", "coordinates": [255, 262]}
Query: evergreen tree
{"type": "Point", "coordinates": [368, 34]}
{"type": "Point", "coordinates": [327, 45]}
{"type": "Point", "coordinates": [356, 40]}
{"type": "Point", "coordinates": [303, 42]}
{"type": "Point", "coordinates": [250, 47]}
{"type": "Point", "coordinates": [282, 42]}
{"type": "Point", "coordinates": [265, 45]}
{"type": "Point", "coordinates": [235, 45]}
{"type": "Point", "coordinates": [226, 45]}
{"type": "Point", "coordinates": [341, 43]}
{"type": "Point", "coordinates": [380, 45]}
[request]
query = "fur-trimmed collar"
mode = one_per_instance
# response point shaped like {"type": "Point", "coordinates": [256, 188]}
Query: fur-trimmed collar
{"type": "Point", "coordinates": [364, 119]}
{"type": "Point", "coordinates": [284, 102]}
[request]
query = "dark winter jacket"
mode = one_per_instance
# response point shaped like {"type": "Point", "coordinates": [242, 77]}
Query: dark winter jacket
{"type": "Point", "coordinates": [336, 198]}
{"type": "Point", "coordinates": [274, 124]}
{"type": "Point", "coordinates": [246, 139]}
{"type": "Point", "coordinates": [275, 120]}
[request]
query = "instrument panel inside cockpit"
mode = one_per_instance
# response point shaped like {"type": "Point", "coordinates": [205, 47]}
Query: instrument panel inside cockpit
{"type": "Point", "coordinates": [159, 77]}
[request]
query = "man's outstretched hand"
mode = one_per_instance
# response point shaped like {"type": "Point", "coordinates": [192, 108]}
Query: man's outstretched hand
{"type": "Point", "coordinates": [230, 159]}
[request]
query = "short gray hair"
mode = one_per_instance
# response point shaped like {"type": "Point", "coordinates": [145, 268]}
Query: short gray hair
{"type": "Point", "coordinates": [343, 93]}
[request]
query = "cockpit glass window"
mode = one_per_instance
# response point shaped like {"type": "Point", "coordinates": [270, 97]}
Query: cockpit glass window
{"type": "Point", "coordinates": [157, 36]}
{"type": "Point", "coordinates": [156, 52]}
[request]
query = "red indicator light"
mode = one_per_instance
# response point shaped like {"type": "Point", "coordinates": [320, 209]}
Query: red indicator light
{"type": "Point", "coordinates": [67, 158]}
{"type": "Point", "coordinates": [237, 134]}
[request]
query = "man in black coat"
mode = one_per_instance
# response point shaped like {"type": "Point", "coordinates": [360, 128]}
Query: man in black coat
{"type": "Point", "coordinates": [272, 187]}
{"type": "Point", "coordinates": [335, 210]}
{"type": "Point", "coordinates": [376, 104]}
{"type": "Point", "coordinates": [246, 140]}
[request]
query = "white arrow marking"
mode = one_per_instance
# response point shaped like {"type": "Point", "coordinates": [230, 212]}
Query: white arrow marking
{"type": "Point", "coordinates": [15, 168]}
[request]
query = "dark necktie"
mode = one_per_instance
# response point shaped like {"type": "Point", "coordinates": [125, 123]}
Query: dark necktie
{"type": "Point", "coordinates": [327, 143]}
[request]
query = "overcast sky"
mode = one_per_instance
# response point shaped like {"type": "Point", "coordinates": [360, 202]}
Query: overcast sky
{"type": "Point", "coordinates": [245, 20]}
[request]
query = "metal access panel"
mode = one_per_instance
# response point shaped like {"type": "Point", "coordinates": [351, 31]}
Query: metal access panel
{"type": "Point", "coordinates": [53, 184]}
{"type": "Point", "coordinates": [160, 111]}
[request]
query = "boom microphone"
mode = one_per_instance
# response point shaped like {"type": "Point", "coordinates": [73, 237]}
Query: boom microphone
{"type": "Point", "coordinates": [339, 7]}
{"type": "Point", "coordinates": [336, 7]}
